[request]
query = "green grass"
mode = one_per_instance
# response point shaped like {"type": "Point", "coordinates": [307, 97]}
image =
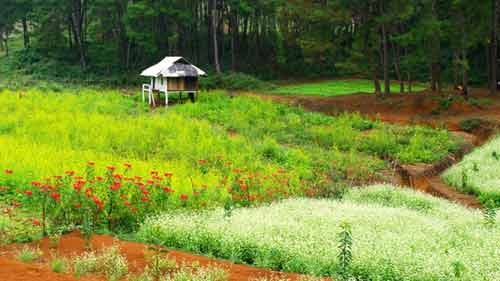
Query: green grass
{"type": "Point", "coordinates": [397, 235]}
{"type": "Point", "coordinates": [479, 173]}
{"type": "Point", "coordinates": [45, 133]}
{"type": "Point", "coordinates": [331, 88]}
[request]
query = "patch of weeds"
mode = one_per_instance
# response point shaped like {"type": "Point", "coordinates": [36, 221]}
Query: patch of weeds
{"type": "Point", "coordinates": [158, 264]}
{"type": "Point", "coordinates": [479, 102]}
{"type": "Point", "coordinates": [109, 263]}
{"type": "Point", "coordinates": [195, 273]}
{"type": "Point", "coordinates": [490, 213]}
{"type": "Point", "coordinates": [29, 255]}
{"type": "Point", "coordinates": [59, 265]}
{"type": "Point", "coordinates": [85, 264]}
{"type": "Point", "coordinates": [468, 125]}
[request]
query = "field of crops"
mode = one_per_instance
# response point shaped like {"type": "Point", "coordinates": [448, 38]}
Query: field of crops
{"type": "Point", "coordinates": [47, 134]}
{"type": "Point", "coordinates": [101, 161]}
{"type": "Point", "coordinates": [331, 88]}
{"type": "Point", "coordinates": [479, 173]}
{"type": "Point", "coordinates": [396, 235]}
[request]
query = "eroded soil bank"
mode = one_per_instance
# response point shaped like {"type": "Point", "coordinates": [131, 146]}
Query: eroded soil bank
{"type": "Point", "coordinates": [72, 245]}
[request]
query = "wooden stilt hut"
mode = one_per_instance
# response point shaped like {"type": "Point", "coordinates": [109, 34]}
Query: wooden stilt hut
{"type": "Point", "coordinates": [172, 74]}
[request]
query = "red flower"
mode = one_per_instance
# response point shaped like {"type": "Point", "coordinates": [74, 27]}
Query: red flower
{"type": "Point", "coordinates": [91, 163]}
{"type": "Point", "coordinates": [243, 186]}
{"type": "Point", "coordinates": [36, 222]}
{"type": "Point", "coordinates": [115, 186]}
{"type": "Point", "coordinates": [78, 185]}
{"type": "Point", "coordinates": [28, 192]}
{"type": "Point", "coordinates": [98, 202]}
{"type": "Point", "coordinates": [78, 206]}
{"type": "Point", "coordinates": [36, 183]}
{"type": "Point", "coordinates": [202, 161]}
{"type": "Point", "coordinates": [144, 199]}
{"type": "Point", "coordinates": [47, 187]}
{"type": "Point", "coordinates": [8, 171]}
{"type": "Point", "coordinates": [154, 173]}
{"type": "Point", "coordinates": [184, 197]}
{"type": "Point", "coordinates": [168, 189]}
{"type": "Point", "coordinates": [127, 166]}
{"type": "Point", "coordinates": [99, 178]}
{"type": "Point", "coordinates": [144, 191]}
{"type": "Point", "coordinates": [70, 173]}
{"type": "Point", "coordinates": [56, 196]}
{"type": "Point", "coordinates": [110, 168]}
{"type": "Point", "coordinates": [196, 193]}
{"type": "Point", "coordinates": [89, 192]}
{"type": "Point", "coordinates": [117, 176]}
{"type": "Point", "coordinates": [168, 174]}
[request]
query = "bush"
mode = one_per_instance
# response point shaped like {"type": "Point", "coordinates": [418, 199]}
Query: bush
{"type": "Point", "coordinates": [109, 263]}
{"type": "Point", "coordinates": [235, 82]}
{"type": "Point", "coordinates": [470, 125]}
{"type": "Point", "coordinates": [28, 255]}
{"type": "Point", "coordinates": [58, 265]}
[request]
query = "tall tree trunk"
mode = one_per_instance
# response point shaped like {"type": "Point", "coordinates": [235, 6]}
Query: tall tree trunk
{"type": "Point", "coordinates": [435, 53]}
{"type": "Point", "coordinates": [214, 35]}
{"type": "Point", "coordinates": [6, 43]}
{"type": "Point", "coordinates": [376, 84]}
{"type": "Point", "coordinates": [494, 47]}
{"type": "Point", "coordinates": [26, 35]}
{"type": "Point", "coordinates": [234, 35]}
{"type": "Point", "coordinates": [397, 67]}
{"type": "Point", "coordinates": [410, 83]}
{"type": "Point", "coordinates": [77, 23]}
{"type": "Point", "coordinates": [465, 65]}
{"type": "Point", "coordinates": [385, 55]}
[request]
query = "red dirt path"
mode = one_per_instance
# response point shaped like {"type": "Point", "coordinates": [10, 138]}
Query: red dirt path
{"type": "Point", "coordinates": [72, 244]}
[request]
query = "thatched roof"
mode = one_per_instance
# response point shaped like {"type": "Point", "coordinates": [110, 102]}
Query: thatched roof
{"type": "Point", "coordinates": [173, 67]}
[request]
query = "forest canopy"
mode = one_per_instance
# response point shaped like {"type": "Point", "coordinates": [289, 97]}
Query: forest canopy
{"type": "Point", "coordinates": [440, 41]}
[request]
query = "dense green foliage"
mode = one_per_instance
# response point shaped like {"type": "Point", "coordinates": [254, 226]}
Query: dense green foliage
{"type": "Point", "coordinates": [48, 133]}
{"type": "Point", "coordinates": [448, 41]}
{"type": "Point", "coordinates": [479, 173]}
{"type": "Point", "coordinates": [331, 88]}
{"type": "Point", "coordinates": [396, 235]}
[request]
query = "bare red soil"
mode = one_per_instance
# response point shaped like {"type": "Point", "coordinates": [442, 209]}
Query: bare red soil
{"type": "Point", "coordinates": [72, 245]}
{"type": "Point", "coordinates": [424, 108]}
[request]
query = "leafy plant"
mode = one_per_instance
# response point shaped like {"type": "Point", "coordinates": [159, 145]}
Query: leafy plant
{"type": "Point", "coordinates": [490, 213]}
{"type": "Point", "coordinates": [58, 265]}
{"type": "Point", "coordinates": [345, 249]}
{"type": "Point", "coordinates": [28, 254]}
{"type": "Point", "coordinates": [108, 262]}
{"type": "Point", "coordinates": [469, 125]}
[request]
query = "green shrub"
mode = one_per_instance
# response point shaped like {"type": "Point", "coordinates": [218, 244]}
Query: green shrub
{"type": "Point", "coordinates": [470, 125]}
{"type": "Point", "coordinates": [108, 262]}
{"type": "Point", "coordinates": [59, 265]}
{"type": "Point", "coordinates": [234, 81]}
{"type": "Point", "coordinates": [28, 254]}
